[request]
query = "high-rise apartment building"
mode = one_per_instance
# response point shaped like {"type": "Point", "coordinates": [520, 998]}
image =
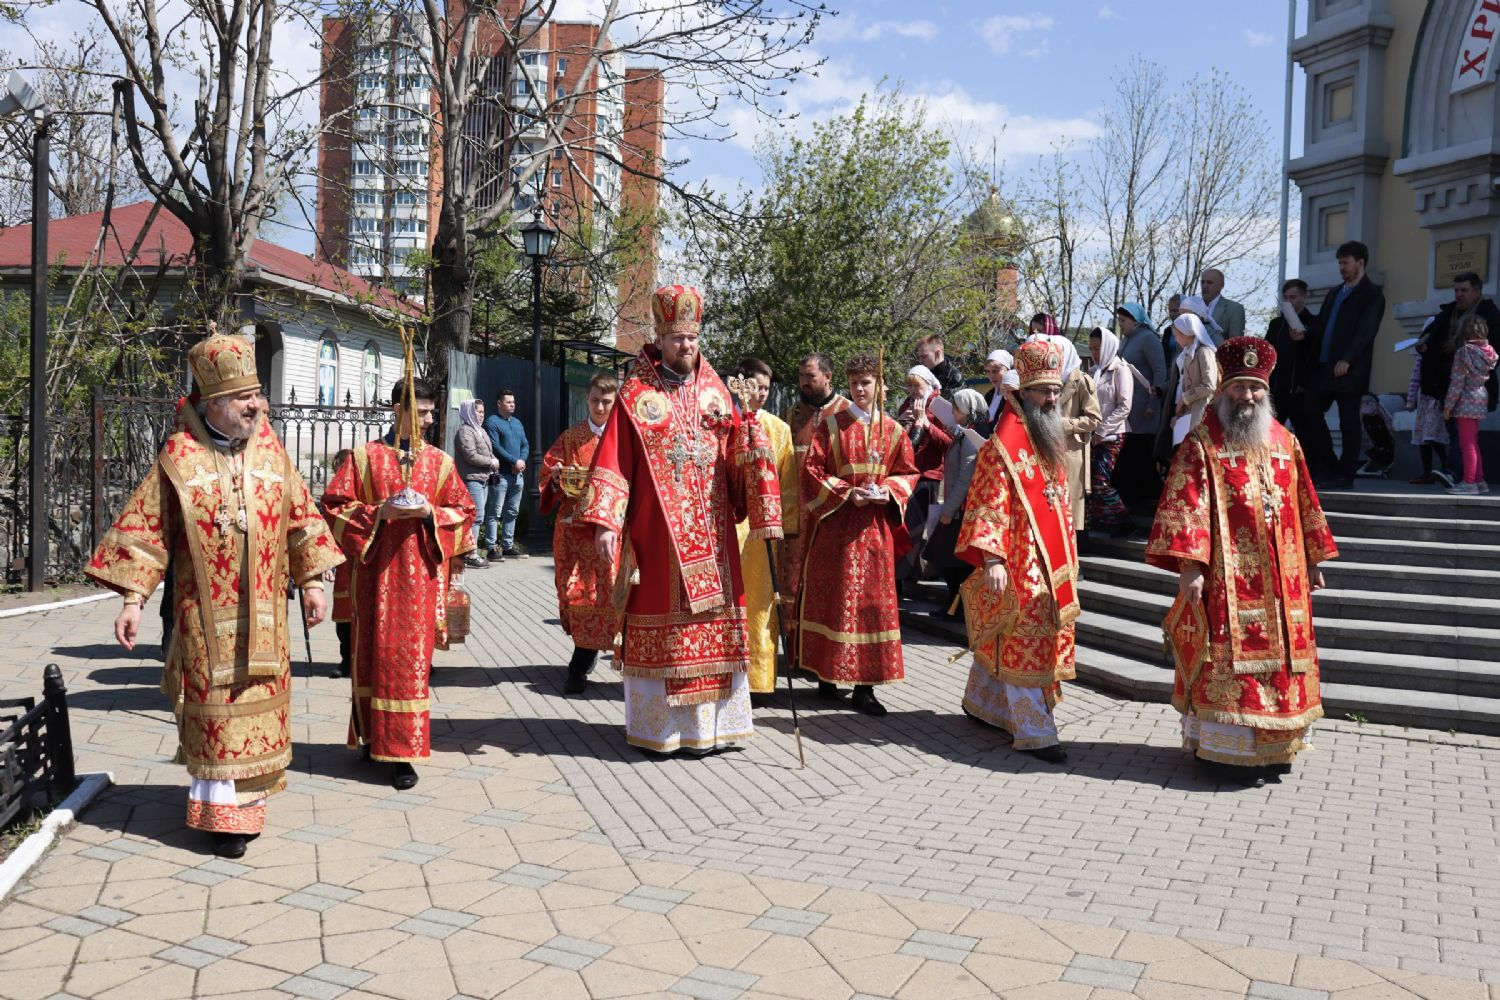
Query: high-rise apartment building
{"type": "Point", "coordinates": [380, 172]}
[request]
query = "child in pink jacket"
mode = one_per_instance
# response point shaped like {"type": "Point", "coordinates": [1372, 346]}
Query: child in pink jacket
{"type": "Point", "coordinates": [1467, 401]}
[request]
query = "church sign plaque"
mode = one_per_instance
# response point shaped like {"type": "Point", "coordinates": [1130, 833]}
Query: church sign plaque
{"type": "Point", "coordinates": [1454, 257]}
{"type": "Point", "coordinates": [1472, 62]}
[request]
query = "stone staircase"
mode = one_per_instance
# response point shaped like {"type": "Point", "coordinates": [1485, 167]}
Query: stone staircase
{"type": "Point", "coordinates": [1408, 629]}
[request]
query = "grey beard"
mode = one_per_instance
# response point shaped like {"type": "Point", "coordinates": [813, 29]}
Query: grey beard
{"type": "Point", "coordinates": [1046, 430]}
{"type": "Point", "coordinates": [1246, 428]}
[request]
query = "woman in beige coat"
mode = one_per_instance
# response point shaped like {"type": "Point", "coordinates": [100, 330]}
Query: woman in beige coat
{"type": "Point", "coordinates": [1199, 368]}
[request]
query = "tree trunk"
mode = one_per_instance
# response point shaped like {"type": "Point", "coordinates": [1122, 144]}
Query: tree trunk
{"type": "Point", "coordinates": [451, 299]}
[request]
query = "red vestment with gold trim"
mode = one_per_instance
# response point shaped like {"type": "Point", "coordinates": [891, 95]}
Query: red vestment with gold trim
{"type": "Point", "coordinates": [399, 584]}
{"type": "Point", "coordinates": [1253, 519]}
{"type": "Point", "coordinates": [849, 627]}
{"type": "Point", "coordinates": [228, 668]}
{"type": "Point", "coordinates": [1019, 510]}
{"type": "Point", "coordinates": [803, 419]}
{"type": "Point", "coordinates": [674, 472]}
{"type": "Point", "coordinates": [585, 583]}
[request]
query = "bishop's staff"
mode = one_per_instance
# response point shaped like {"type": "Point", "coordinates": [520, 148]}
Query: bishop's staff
{"type": "Point", "coordinates": [742, 387]}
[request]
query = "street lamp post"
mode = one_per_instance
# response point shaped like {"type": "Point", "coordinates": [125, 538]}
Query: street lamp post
{"type": "Point", "coordinates": [19, 97]}
{"type": "Point", "coordinates": [537, 240]}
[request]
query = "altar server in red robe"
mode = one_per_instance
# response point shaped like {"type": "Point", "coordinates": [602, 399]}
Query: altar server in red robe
{"type": "Point", "coordinates": [856, 481]}
{"type": "Point", "coordinates": [402, 548]}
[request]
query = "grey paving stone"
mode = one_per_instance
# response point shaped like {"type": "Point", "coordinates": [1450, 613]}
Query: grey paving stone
{"type": "Point", "coordinates": [789, 921]}
{"type": "Point", "coordinates": [315, 834]}
{"type": "Point", "coordinates": [215, 945]}
{"type": "Point", "coordinates": [107, 915]}
{"type": "Point", "coordinates": [127, 846]}
{"type": "Point", "coordinates": [335, 892]}
{"type": "Point", "coordinates": [499, 817]}
{"type": "Point", "coordinates": [198, 876]}
{"type": "Point", "coordinates": [338, 974]}
{"type": "Point", "coordinates": [1260, 990]}
{"type": "Point", "coordinates": [74, 926]}
{"type": "Point", "coordinates": [315, 989]}
{"type": "Point", "coordinates": [222, 866]}
{"type": "Point", "coordinates": [708, 982]}
{"type": "Point", "coordinates": [939, 946]}
{"type": "Point", "coordinates": [475, 772]}
{"type": "Point", "coordinates": [190, 957]}
{"type": "Point", "coordinates": [416, 853]}
{"type": "Point", "coordinates": [530, 876]}
{"type": "Point", "coordinates": [653, 899]}
{"type": "Point", "coordinates": [104, 854]}
{"type": "Point", "coordinates": [427, 928]}
{"type": "Point", "coordinates": [568, 952]}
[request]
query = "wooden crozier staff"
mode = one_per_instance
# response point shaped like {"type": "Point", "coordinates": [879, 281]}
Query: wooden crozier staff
{"type": "Point", "coordinates": [742, 387]}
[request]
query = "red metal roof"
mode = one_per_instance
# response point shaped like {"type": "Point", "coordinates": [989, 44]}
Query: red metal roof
{"type": "Point", "coordinates": [72, 241]}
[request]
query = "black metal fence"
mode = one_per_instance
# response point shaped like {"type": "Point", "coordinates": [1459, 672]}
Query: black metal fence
{"type": "Point", "coordinates": [98, 456]}
{"type": "Point", "coordinates": [36, 750]}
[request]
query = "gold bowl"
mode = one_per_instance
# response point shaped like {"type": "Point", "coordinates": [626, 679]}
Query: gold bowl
{"type": "Point", "coordinates": [572, 479]}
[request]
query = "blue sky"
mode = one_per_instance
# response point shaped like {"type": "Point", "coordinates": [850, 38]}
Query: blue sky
{"type": "Point", "coordinates": [1040, 70]}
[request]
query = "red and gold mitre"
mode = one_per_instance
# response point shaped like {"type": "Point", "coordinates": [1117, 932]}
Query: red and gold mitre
{"type": "Point", "coordinates": [222, 365]}
{"type": "Point", "coordinates": [1039, 362]}
{"type": "Point", "coordinates": [677, 308]}
{"type": "Point", "coordinates": [1247, 358]}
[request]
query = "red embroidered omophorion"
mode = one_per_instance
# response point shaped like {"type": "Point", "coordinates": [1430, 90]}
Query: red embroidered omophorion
{"type": "Point", "coordinates": [1252, 518]}
{"type": "Point", "coordinates": [585, 582]}
{"type": "Point", "coordinates": [849, 628]}
{"type": "Point", "coordinates": [399, 586]}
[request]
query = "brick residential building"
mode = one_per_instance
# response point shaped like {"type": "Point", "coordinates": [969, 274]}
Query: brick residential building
{"type": "Point", "coordinates": [380, 170]}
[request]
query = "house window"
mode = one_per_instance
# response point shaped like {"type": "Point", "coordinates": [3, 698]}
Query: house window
{"type": "Point", "coordinates": [557, 178]}
{"type": "Point", "coordinates": [366, 198]}
{"type": "Point", "coordinates": [372, 374]}
{"type": "Point", "coordinates": [562, 66]}
{"type": "Point", "coordinates": [328, 372]}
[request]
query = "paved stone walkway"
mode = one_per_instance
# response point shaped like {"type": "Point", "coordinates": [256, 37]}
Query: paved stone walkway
{"type": "Point", "coordinates": [915, 856]}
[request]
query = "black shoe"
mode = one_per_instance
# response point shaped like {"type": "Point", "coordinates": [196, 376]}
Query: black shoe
{"type": "Point", "coordinates": [476, 561]}
{"type": "Point", "coordinates": [864, 701]}
{"type": "Point", "coordinates": [762, 699]}
{"type": "Point", "coordinates": [494, 554]}
{"type": "Point", "coordinates": [516, 552]}
{"type": "Point", "coordinates": [364, 750]}
{"type": "Point", "coordinates": [403, 776]}
{"type": "Point", "coordinates": [577, 682]}
{"type": "Point", "coordinates": [829, 692]}
{"type": "Point", "coordinates": [1052, 754]}
{"type": "Point", "coordinates": [338, 673]}
{"type": "Point", "coordinates": [230, 845]}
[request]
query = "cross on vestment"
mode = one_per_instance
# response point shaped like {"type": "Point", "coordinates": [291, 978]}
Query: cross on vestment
{"type": "Point", "coordinates": [1281, 457]}
{"type": "Point", "coordinates": [266, 475]}
{"type": "Point", "coordinates": [202, 479]}
{"type": "Point", "coordinates": [1028, 464]}
{"type": "Point", "coordinates": [1233, 457]}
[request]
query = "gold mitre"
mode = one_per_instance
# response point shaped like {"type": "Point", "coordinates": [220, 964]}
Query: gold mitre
{"type": "Point", "coordinates": [223, 364]}
{"type": "Point", "coordinates": [677, 308]}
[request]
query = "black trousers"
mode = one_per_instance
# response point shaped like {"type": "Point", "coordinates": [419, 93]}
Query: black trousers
{"type": "Point", "coordinates": [345, 632]}
{"type": "Point", "coordinates": [1319, 442]}
{"type": "Point", "coordinates": [1135, 470]}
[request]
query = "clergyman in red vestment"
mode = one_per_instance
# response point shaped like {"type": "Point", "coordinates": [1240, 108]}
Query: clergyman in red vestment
{"type": "Point", "coordinates": [403, 557]}
{"type": "Point", "coordinates": [585, 582]}
{"type": "Point", "coordinates": [1240, 523]}
{"type": "Point", "coordinates": [856, 481]}
{"type": "Point", "coordinates": [817, 399]}
{"type": "Point", "coordinates": [1018, 528]}
{"type": "Point", "coordinates": [226, 507]}
{"type": "Point", "coordinates": [674, 472]}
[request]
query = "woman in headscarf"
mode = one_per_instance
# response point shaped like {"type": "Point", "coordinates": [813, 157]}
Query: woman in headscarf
{"type": "Point", "coordinates": [1197, 379]}
{"type": "Point", "coordinates": [958, 468]}
{"type": "Point", "coordinates": [1114, 382]}
{"type": "Point", "coordinates": [475, 460]}
{"type": "Point", "coordinates": [1042, 324]}
{"type": "Point", "coordinates": [1079, 407]}
{"type": "Point", "coordinates": [929, 443]}
{"type": "Point", "coordinates": [996, 366]}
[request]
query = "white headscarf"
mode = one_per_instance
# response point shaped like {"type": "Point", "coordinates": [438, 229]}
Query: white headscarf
{"type": "Point", "coordinates": [925, 374]}
{"type": "Point", "coordinates": [1009, 382]}
{"type": "Point", "coordinates": [1003, 357]}
{"type": "Point", "coordinates": [1071, 361]}
{"type": "Point", "coordinates": [970, 402]}
{"type": "Point", "coordinates": [1109, 347]}
{"type": "Point", "coordinates": [1194, 304]}
{"type": "Point", "coordinates": [1189, 323]}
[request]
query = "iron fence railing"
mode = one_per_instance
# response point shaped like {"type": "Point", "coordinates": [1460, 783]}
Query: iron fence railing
{"type": "Point", "coordinates": [36, 750]}
{"type": "Point", "coordinates": [97, 456]}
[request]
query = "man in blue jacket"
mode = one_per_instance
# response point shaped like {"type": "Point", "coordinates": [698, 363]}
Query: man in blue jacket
{"type": "Point", "coordinates": [508, 438]}
{"type": "Point", "coordinates": [1347, 326]}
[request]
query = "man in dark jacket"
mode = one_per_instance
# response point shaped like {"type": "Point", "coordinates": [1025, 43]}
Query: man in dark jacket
{"type": "Point", "coordinates": [1437, 347]}
{"type": "Point", "coordinates": [1294, 359]}
{"type": "Point", "coordinates": [1347, 326]}
{"type": "Point", "coordinates": [930, 353]}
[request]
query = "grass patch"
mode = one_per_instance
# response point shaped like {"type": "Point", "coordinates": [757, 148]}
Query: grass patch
{"type": "Point", "coordinates": [12, 836]}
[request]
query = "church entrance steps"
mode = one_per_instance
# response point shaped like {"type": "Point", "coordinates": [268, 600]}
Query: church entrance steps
{"type": "Point", "coordinates": [1408, 631]}
{"type": "Point", "coordinates": [1379, 576]}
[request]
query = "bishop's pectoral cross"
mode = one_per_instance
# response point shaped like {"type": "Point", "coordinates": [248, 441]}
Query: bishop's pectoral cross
{"type": "Point", "coordinates": [681, 453]}
{"type": "Point", "coordinates": [1053, 493]}
{"type": "Point", "coordinates": [224, 520]}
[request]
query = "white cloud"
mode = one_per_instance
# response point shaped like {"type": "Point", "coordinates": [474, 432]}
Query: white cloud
{"type": "Point", "coordinates": [1258, 39]}
{"type": "Point", "coordinates": [1108, 13]}
{"type": "Point", "coordinates": [849, 27]}
{"type": "Point", "coordinates": [1005, 32]}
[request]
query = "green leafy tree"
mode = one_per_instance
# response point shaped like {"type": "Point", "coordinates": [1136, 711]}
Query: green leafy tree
{"type": "Point", "coordinates": [856, 243]}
